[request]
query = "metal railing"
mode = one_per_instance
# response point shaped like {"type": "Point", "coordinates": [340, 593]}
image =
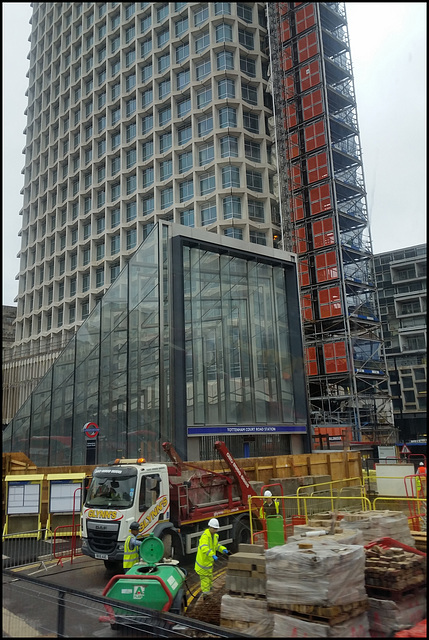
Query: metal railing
{"type": "Point", "coordinates": [41, 545]}
{"type": "Point", "coordinates": [35, 608]}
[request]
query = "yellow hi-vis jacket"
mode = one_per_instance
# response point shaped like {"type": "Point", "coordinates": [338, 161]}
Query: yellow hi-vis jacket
{"type": "Point", "coordinates": [131, 556]}
{"type": "Point", "coordinates": [208, 547]}
{"type": "Point", "coordinates": [268, 509]}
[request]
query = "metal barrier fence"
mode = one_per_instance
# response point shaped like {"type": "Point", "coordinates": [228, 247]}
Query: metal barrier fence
{"type": "Point", "coordinates": [40, 545]}
{"type": "Point", "coordinates": [35, 608]}
{"type": "Point", "coordinates": [414, 508]}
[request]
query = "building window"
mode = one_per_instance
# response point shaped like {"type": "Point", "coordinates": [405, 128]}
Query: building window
{"type": "Point", "coordinates": [248, 66]}
{"type": "Point", "coordinates": [225, 60]}
{"type": "Point", "coordinates": [147, 177]}
{"type": "Point", "coordinates": [183, 107]}
{"type": "Point", "coordinates": [205, 125]}
{"type": "Point", "coordinates": [147, 124]}
{"type": "Point", "coordinates": [224, 33]}
{"type": "Point", "coordinates": [230, 177]}
{"type": "Point", "coordinates": [203, 69]}
{"type": "Point", "coordinates": [165, 142]}
{"type": "Point", "coordinates": [256, 210]}
{"type": "Point", "coordinates": [234, 232]}
{"type": "Point", "coordinates": [181, 26]}
{"type": "Point", "coordinates": [208, 213]}
{"type": "Point", "coordinates": [258, 237]}
{"type": "Point", "coordinates": [146, 73]}
{"type": "Point", "coordinates": [249, 94]}
{"type": "Point", "coordinates": [99, 278]}
{"type": "Point", "coordinates": [131, 238]}
{"type": "Point", "coordinates": [225, 89]}
{"type": "Point", "coordinates": [254, 180]}
{"type": "Point", "coordinates": [184, 134]}
{"type": "Point", "coordinates": [101, 225]}
{"type": "Point", "coordinates": [252, 150]}
{"type": "Point", "coordinates": [147, 98]}
{"type": "Point", "coordinates": [145, 23]}
{"type": "Point", "coordinates": [222, 8]}
{"type": "Point", "coordinates": [187, 218]}
{"type": "Point", "coordinates": [130, 81]}
{"type": "Point", "coordinates": [231, 207]}
{"type": "Point", "coordinates": [246, 38]}
{"type": "Point", "coordinates": [148, 205]}
{"type": "Point", "coordinates": [186, 190]}
{"type": "Point", "coordinates": [164, 89]}
{"type": "Point", "coordinates": [202, 42]}
{"type": "Point", "coordinates": [147, 150]}
{"type": "Point", "coordinates": [166, 169]}
{"type": "Point", "coordinates": [166, 198]}
{"type": "Point", "coordinates": [164, 116]}
{"type": "Point", "coordinates": [251, 122]}
{"type": "Point", "coordinates": [130, 132]}
{"type": "Point", "coordinates": [131, 184]}
{"type": "Point", "coordinates": [183, 78]}
{"type": "Point", "coordinates": [162, 12]}
{"type": "Point", "coordinates": [131, 158]}
{"type": "Point", "coordinates": [146, 47]}
{"type": "Point", "coordinates": [207, 183]}
{"type": "Point", "coordinates": [116, 165]}
{"type": "Point", "coordinates": [227, 117]}
{"type": "Point", "coordinates": [115, 191]}
{"type": "Point", "coordinates": [205, 154]}
{"type": "Point", "coordinates": [115, 217]}
{"type": "Point", "coordinates": [163, 63]}
{"type": "Point", "coordinates": [114, 244]}
{"type": "Point", "coordinates": [182, 52]}
{"type": "Point", "coordinates": [185, 161]}
{"type": "Point", "coordinates": [201, 15]}
{"type": "Point", "coordinates": [229, 147]}
{"type": "Point", "coordinates": [204, 97]}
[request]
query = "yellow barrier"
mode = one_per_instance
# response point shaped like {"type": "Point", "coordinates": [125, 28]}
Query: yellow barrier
{"type": "Point", "coordinates": [332, 490]}
{"type": "Point", "coordinates": [414, 509]}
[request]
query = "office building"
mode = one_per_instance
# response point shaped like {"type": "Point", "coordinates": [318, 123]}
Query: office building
{"type": "Point", "coordinates": [141, 113]}
{"type": "Point", "coordinates": [401, 281]}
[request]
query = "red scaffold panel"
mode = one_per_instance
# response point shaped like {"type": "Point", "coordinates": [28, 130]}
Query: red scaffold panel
{"type": "Point", "coordinates": [309, 75]}
{"type": "Point", "coordinates": [317, 167]}
{"type": "Point", "coordinates": [323, 233]}
{"type": "Point", "coordinates": [307, 46]}
{"type": "Point", "coordinates": [297, 208]}
{"type": "Point", "coordinates": [300, 240]}
{"type": "Point", "coordinates": [326, 266]}
{"type": "Point", "coordinates": [335, 357]}
{"type": "Point", "coordinates": [311, 361]}
{"type": "Point", "coordinates": [329, 302]}
{"type": "Point", "coordinates": [320, 199]}
{"type": "Point", "coordinates": [312, 105]}
{"type": "Point", "coordinates": [314, 136]}
{"type": "Point", "coordinates": [303, 273]}
{"type": "Point", "coordinates": [305, 18]}
{"type": "Point", "coordinates": [306, 309]}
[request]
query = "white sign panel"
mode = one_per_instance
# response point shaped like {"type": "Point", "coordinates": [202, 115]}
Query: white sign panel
{"type": "Point", "coordinates": [390, 479]}
{"type": "Point", "coordinates": [23, 497]}
{"type": "Point", "coordinates": [387, 455]}
{"type": "Point", "coordinates": [62, 496]}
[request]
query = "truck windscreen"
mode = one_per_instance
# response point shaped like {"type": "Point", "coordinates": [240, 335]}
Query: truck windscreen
{"type": "Point", "coordinates": [117, 492]}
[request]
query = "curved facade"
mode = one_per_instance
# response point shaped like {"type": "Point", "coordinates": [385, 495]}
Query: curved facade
{"type": "Point", "coordinates": [137, 112]}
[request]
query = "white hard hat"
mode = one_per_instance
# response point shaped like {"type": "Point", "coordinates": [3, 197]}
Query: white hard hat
{"type": "Point", "coordinates": [214, 523]}
{"type": "Point", "coordinates": [268, 494]}
{"type": "Point", "coordinates": [421, 464]}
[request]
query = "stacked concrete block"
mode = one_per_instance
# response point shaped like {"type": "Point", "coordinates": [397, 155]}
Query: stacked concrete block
{"type": "Point", "coordinates": [285, 626]}
{"type": "Point", "coordinates": [393, 569]}
{"type": "Point", "coordinates": [379, 524]}
{"type": "Point", "coordinates": [244, 608]}
{"type": "Point", "coordinates": [246, 571]}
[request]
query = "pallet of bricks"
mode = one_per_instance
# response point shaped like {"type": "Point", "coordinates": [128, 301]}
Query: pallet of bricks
{"type": "Point", "coordinates": [303, 589]}
{"type": "Point", "coordinates": [395, 577]}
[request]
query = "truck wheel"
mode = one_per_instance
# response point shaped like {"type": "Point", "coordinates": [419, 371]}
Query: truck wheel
{"type": "Point", "coordinates": [172, 546]}
{"type": "Point", "coordinates": [112, 566]}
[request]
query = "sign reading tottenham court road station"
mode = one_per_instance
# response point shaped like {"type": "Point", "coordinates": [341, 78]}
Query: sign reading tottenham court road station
{"type": "Point", "coordinates": [227, 430]}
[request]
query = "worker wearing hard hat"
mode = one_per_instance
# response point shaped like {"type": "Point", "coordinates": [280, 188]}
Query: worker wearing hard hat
{"type": "Point", "coordinates": [131, 547]}
{"type": "Point", "coordinates": [208, 548]}
{"type": "Point", "coordinates": [421, 480]}
{"type": "Point", "coordinates": [269, 507]}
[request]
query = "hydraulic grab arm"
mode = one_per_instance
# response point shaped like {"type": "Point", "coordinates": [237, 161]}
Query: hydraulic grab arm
{"type": "Point", "coordinates": [238, 473]}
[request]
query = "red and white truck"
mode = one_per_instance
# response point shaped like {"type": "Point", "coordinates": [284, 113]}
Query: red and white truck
{"type": "Point", "coordinates": [174, 502]}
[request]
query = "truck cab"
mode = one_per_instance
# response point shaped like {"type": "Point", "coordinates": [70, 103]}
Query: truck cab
{"type": "Point", "coordinates": [118, 494]}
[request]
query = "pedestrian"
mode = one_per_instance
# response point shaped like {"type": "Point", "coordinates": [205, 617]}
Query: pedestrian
{"type": "Point", "coordinates": [269, 507]}
{"type": "Point", "coordinates": [131, 547]}
{"type": "Point", "coordinates": [208, 548]}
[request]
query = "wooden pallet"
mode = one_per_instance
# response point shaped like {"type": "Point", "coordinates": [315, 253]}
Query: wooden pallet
{"type": "Point", "coordinates": [393, 594]}
{"type": "Point", "coordinates": [245, 594]}
{"type": "Point", "coordinates": [331, 615]}
{"type": "Point", "coordinates": [420, 539]}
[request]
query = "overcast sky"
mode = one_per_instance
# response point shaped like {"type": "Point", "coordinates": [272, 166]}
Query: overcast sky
{"type": "Point", "coordinates": [388, 48]}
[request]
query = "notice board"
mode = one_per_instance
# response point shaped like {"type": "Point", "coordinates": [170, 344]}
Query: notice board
{"type": "Point", "coordinates": [390, 478]}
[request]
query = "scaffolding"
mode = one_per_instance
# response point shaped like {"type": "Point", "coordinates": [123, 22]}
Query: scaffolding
{"type": "Point", "coordinates": [324, 217]}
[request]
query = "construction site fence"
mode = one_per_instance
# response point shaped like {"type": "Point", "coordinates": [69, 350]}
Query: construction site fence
{"type": "Point", "coordinates": [41, 546]}
{"type": "Point", "coordinates": [69, 613]}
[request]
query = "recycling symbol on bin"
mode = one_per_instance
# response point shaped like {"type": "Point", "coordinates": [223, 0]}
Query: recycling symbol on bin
{"type": "Point", "coordinates": [138, 592]}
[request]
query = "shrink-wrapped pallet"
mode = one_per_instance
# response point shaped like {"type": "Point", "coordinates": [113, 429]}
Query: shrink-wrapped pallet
{"type": "Point", "coordinates": [325, 574]}
{"type": "Point", "coordinates": [291, 627]}
{"type": "Point", "coordinates": [379, 524]}
{"type": "Point", "coordinates": [387, 616]}
{"type": "Point", "coordinates": [246, 615]}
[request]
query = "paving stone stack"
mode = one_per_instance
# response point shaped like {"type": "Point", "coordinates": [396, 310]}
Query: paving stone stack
{"type": "Point", "coordinates": [389, 616]}
{"type": "Point", "coordinates": [317, 589]}
{"type": "Point", "coordinates": [394, 569]}
{"type": "Point", "coordinates": [379, 524]}
{"type": "Point", "coordinates": [244, 607]}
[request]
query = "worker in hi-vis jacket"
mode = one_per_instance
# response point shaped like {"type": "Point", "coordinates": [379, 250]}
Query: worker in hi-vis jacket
{"type": "Point", "coordinates": [208, 548]}
{"type": "Point", "coordinates": [270, 507]}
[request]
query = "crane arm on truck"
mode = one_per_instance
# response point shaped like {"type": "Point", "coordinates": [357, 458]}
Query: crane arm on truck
{"type": "Point", "coordinates": [238, 473]}
{"type": "Point", "coordinates": [180, 464]}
